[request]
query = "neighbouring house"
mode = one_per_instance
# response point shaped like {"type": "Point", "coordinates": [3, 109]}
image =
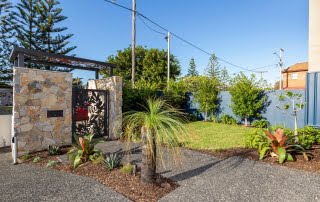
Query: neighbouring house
{"type": "Point", "coordinates": [294, 77]}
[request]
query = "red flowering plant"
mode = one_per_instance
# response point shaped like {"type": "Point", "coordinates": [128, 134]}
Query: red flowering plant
{"type": "Point", "coordinates": [83, 150]}
{"type": "Point", "coordinates": [277, 144]}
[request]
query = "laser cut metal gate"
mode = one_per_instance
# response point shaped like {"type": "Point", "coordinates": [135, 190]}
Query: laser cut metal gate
{"type": "Point", "coordinates": [90, 112]}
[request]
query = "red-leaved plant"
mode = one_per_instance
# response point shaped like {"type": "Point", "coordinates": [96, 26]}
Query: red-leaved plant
{"type": "Point", "coordinates": [277, 144]}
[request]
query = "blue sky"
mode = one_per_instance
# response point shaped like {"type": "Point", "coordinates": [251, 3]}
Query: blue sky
{"type": "Point", "coordinates": [245, 32]}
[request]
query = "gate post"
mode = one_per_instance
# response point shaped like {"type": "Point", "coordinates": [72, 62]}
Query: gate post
{"type": "Point", "coordinates": [114, 86]}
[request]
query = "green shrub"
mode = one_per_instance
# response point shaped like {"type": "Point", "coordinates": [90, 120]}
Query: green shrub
{"type": "Point", "coordinates": [52, 163]}
{"type": "Point", "coordinates": [97, 158]}
{"type": "Point", "coordinates": [214, 119]}
{"type": "Point", "coordinates": [227, 119]}
{"type": "Point", "coordinates": [263, 123]}
{"type": "Point", "coordinates": [127, 169]}
{"type": "Point", "coordinates": [111, 162]}
{"type": "Point", "coordinates": [308, 136]}
{"type": "Point", "coordinates": [37, 159]}
{"type": "Point", "coordinates": [25, 157]}
{"type": "Point", "coordinates": [253, 139]}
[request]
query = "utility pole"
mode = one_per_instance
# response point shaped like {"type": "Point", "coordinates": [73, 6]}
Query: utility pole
{"type": "Point", "coordinates": [281, 64]}
{"type": "Point", "coordinates": [261, 72]}
{"type": "Point", "coordinates": [133, 45]}
{"type": "Point", "coordinates": [168, 39]}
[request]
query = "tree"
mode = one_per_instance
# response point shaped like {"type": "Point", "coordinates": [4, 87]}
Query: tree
{"type": "Point", "coordinates": [214, 68]}
{"type": "Point", "coordinates": [206, 94]}
{"type": "Point", "coordinates": [248, 99]}
{"type": "Point", "coordinates": [151, 65]}
{"type": "Point", "coordinates": [36, 27]}
{"type": "Point", "coordinates": [6, 42]}
{"type": "Point", "coordinates": [224, 79]}
{"type": "Point", "coordinates": [51, 39]}
{"type": "Point", "coordinates": [159, 124]}
{"type": "Point", "coordinates": [294, 101]}
{"type": "Point", "coordinates": [155, 67]}
{"type": "Point", "coordinates": [25, 18]}
{"type": "Point", "coordinates": [192, 71]}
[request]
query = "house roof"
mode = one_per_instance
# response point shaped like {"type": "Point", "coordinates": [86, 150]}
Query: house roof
{"type": "Point", "coordinates": [299, 67]}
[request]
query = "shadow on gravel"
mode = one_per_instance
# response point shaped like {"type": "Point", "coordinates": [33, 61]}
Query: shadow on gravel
{"type": "Point", "coordinates": [194, 172]}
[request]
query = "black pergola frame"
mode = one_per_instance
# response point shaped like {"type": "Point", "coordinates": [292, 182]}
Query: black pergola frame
{"type": "Point", "coordinates": [19, 56]}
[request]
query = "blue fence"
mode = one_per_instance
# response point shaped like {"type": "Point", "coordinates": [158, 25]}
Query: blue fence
{"type": "Point", "coordinates": [273, 114]}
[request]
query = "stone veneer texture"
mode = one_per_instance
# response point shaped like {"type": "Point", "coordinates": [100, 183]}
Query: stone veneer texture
{"type": "Point", "coordinates": [114, 86]}
{"type": "Point", "coordinates": [36, 92]}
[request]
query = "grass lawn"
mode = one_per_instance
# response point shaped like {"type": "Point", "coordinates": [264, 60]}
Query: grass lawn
{"type": "Point", "coordinates": [215, 136]}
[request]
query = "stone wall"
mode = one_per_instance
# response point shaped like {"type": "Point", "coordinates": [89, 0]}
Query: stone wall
{"type": "Point", "coordinates": [36, 92]}
{"type": "Point", "coordinates": [114, 86]}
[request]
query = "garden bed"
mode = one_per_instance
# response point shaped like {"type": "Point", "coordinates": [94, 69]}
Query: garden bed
{"type": "Point", "coordinates": [313, 165]}
{"type": "Point", "coordinates": [126, 184]}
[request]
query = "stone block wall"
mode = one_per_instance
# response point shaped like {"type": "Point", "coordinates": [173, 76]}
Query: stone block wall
{"type": "Point", "coordinates": [36, 92]}
{"type": "Point", "coordinates": [114, 86]}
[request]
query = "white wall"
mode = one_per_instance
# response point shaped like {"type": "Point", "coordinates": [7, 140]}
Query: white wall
{"type": "Point", "coordinates": [5, 130]}
{"type": "Point", "coordinates": [314, 33]}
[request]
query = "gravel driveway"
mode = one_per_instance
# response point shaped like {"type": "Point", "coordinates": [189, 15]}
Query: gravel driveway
{"type": "Point", "coordinates": [29, 183]}
{"type": "Point", "coordinates": [202, 178]}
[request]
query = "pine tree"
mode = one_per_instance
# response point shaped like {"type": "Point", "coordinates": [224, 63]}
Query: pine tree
{"type": "Point", "coordinates": [37, 28]}
{"type": "Point", "coordinates": [224, 79]}
{"type": "Point", "coordinates": [213, 69]}
{"type": "Point", "coordinates": [25, 17]}
{"type": "Point", "coordinates": [192, 71]}
{"type": "Point", "coordinates": [50, 38]}
{"type": "Point", "coordinates": [6, 42]}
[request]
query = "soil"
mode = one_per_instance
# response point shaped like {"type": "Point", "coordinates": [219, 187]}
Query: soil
{"type": "Point", "coordinates": [126, 184]}
{"type": "Point", "coordinates": [313, 165]}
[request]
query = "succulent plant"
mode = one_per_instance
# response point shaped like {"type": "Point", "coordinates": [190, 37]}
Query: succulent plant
{"type": "Point", "coordinates": [111, 162]}
{"type": "Point", "coordinates": [54, 150]}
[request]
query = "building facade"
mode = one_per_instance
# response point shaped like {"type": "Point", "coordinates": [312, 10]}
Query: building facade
{"type": "Point", "coordinates": [294, 77]}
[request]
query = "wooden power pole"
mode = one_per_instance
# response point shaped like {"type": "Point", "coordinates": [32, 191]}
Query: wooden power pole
{"type": "Point", "coordinates": [133, 41]}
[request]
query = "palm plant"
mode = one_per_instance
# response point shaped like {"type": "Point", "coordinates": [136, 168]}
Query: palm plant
{"type": "Point", "coordinates": [158, 124]}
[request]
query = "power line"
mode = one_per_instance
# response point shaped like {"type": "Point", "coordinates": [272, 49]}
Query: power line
{"type": "Point", "coordinates": [182, 39]}
{"type": "Point", "coordinates": [264, 67]}
{"type": "Point", "coordinates": [150, 27]}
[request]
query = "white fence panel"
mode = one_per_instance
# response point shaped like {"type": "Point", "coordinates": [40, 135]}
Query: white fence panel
{"type": "Point", "coordinates": [5, 130]}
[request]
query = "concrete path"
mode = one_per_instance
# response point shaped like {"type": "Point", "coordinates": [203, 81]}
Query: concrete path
{"type": "Point", "coordinates": [29, 183]}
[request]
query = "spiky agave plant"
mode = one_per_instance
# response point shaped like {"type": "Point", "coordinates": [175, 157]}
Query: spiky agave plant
{"type": "Point", "coordinates": [158, 124]}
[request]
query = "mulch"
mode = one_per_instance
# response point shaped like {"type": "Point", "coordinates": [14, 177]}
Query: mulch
{"type": "Point", "coordinates": [126, 184]}
{"type": "Point", "coordinates": [313, 165]}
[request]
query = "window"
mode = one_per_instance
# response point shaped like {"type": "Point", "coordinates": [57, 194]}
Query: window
{"type": "Point", "coordinates": [294, 76]}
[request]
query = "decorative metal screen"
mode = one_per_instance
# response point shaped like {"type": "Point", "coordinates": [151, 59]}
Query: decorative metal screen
{"type": "Point", "coordinates": [90, 112]}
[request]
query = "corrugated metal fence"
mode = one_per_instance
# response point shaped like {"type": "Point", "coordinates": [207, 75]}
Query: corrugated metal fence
{"type": "Point", "coordinates": [273, 114]}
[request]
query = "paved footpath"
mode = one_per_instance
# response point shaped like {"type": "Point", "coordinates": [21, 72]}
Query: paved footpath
{"type": "Point", "coordinates": [202, 178]}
